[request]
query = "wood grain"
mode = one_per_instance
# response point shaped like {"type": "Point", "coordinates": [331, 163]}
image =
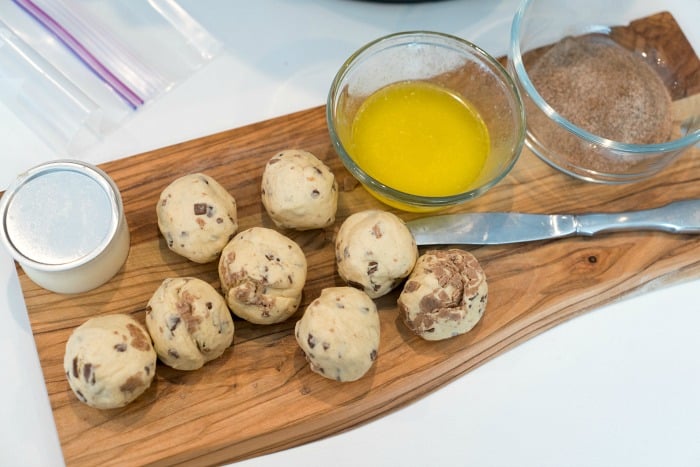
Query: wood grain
{"type": "Point", "coordinates": [260, 395]}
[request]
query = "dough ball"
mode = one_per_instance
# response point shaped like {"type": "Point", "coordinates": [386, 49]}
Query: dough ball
{"type": "Point", "coordinates": [299, 191]}
{"type": "Point", "coordinates": [189, 322]}
{"type": "Point", "coordinates": [375, 251]}
{"type": "Point", "coordinates": [339, 333]}
{"type": "Point", "coordinates": [109, 361]}
{"type": "Point", "coordinates": [262, 275]}
{"type": "Point", "coordinates": [197, 217]}
{"type": "Point", "coordinates": [445, 295]}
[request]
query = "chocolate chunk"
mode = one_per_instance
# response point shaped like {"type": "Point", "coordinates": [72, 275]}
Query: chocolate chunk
{"type": "Point", "coordinates": [372, 267]}
{"type": "Point", "coordinates": [173, 321]}
{"type": "Point", "coordinates": [315, 193]}
{"type": "Point", "coordinates": [373, 355]}
{"type": "Point", "coordinates": [311, 341]}
{"type": "Point", "coordinates": [200, 209]}
{"type": "Point", "coordinates": [75, 367]}
{"type": "Point", "coordinates": [185, 309]}
{"type": "Point", "coordinates": [88, 374]}
{"type": "Point", "coordinates": [121, 347]}
{"type": "Point", "coordinates": [173, 353]}
{"type": "Point", "coordinates": [80, 396]}
{"type": "Point", "coordinates": [87, 371]}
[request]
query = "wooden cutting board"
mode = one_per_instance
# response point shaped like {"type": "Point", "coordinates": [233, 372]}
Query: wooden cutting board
{"type": "Point", "coordinates": [260, 395]}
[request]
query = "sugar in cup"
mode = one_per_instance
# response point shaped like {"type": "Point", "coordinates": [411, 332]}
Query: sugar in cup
{"type": "Point", "coordinates": [604, 103]}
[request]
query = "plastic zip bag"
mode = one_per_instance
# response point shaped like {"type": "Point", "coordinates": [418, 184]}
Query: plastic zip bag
{"type": "Point", "coordinates": [73, 70]}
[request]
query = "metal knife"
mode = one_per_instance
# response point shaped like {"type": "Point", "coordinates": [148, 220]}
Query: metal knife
{"type": "Point", "coordinates": [495, 228]}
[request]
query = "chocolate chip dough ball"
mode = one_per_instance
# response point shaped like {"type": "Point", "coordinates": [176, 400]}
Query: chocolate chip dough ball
{"type": "Point", "coordinates": [197, 217]}
{"type": "Point", "coordinates": [109, 361]}
{"type": "Point", "coordinates": [299, 191]}
{"type": "Point", "coordinates": [339, 333]}
{"type": "Point", "coordinates": [262, 275]}
{"type": "Point", "coordinates": [445, 295]}
{"type": "Point", "coordinates": [189, 322]}
{"type": "Point", "coordinates": [375, 251]}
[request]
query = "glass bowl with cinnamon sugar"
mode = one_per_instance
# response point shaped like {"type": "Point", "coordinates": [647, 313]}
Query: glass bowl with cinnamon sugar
{"type": "Point", "coordinates": [611, 93]}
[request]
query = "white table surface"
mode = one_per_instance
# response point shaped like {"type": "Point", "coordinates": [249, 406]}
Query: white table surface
{"type": "Point", "coordinates": [618, 386]}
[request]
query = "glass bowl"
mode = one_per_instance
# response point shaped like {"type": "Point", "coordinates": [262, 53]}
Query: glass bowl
{"type": "Point", "coordinates": [427, 179]}
{"type": "Point", "coordinates": [601, 98]}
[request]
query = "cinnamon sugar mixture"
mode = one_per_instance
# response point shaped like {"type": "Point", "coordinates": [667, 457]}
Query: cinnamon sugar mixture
{"type": "Point", "coordinates": [605, 89]}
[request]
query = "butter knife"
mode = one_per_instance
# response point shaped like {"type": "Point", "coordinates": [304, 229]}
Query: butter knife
{"type": "Point", "coordinates": [495, 228]}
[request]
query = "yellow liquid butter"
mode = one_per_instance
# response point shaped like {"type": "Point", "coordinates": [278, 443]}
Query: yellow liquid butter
{"type": "Point", "coordinates": [419, 138]}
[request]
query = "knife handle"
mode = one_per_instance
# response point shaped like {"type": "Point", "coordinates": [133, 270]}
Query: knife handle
{"type": "Point", "coordinates": [676, 217]}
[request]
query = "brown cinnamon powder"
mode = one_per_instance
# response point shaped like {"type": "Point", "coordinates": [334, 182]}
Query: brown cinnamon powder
{"type": "Point", "coordinates": [605, 89]}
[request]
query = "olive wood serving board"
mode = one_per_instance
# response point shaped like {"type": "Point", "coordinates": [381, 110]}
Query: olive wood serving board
{"type": "Point", "coordinates": [260, 396]}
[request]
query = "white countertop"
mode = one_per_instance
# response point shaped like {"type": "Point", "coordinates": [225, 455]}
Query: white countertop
{"type": "Point", "coordinates": [617, 386]}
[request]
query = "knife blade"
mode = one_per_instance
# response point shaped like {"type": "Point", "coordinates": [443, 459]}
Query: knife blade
{"type": "Point", "coordinates": [496, 228]}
